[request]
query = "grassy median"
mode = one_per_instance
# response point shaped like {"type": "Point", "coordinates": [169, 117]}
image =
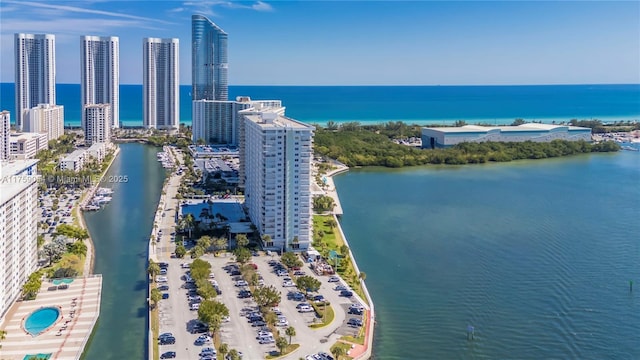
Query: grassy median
{"type": "Point", "coordinates": [326, 314]}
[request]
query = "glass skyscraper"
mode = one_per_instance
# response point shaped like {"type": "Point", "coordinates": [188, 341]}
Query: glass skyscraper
{"type": "Point", "coordinates": [208, 60]}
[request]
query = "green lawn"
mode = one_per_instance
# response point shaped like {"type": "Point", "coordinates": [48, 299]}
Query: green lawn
{"type": "Point", "coordinates": [346, 347]}
{"type": "Point", "coordinates": [332, 240]}
{"type": "Point", "coordinates": [291, 348]}
{"type": "Point", "coordinates": [326, 314]}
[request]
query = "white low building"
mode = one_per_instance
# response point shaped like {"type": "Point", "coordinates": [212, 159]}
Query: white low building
{"type": "Point", "coordinates": [46, 118]}
{"type": "Point", "coordinates": [74, 161]}
{"type": "Point", "coordinates": [26, 145]}
{"type": "Point", "coordinates": [449, 136]}
{"type": "Point", "coordinates": [18, 230]}
{"type": "Point", "coordinates": [97, 151]}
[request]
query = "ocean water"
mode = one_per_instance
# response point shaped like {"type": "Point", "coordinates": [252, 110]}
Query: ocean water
{"type": "Point", "coordinates": [417, 104]}
{"type": "Point", "coordinates": [536, 255]}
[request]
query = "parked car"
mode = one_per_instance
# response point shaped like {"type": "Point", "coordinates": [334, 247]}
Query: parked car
{"type": "Point", "coordinates": [165, 335]}
{"type": "Point", "coordinates": [168, 340]}
{"type": "Point", "coordinates": [305, 308]}
{"type": "Point", "coordinates": [354, 322]}
{"type": "Point", "coordinates": [346, 293]}
{"type": "Point", "coordinates": [288, 284]}
{"type": "Point", "coordinates": [340, 288]}
{"type": "Point", "coordinates": [194, 307]}
{"type": "Point", "coordinates": [168, 355]}
{"type": "Point", "coordinates": [163, 287]}
{"type": "Point", "coordinates": [356, 310]}
{"type": "Point", "coordinates": [199, 328]}
{"type": "Point", "coordinates": [243, 294]}
{"type": "Point", "coordinates": [162, 279]}
{"type": "Point", "coordinates": [242, 283]}
{"type": "Point", "coordinates": [334, 279]}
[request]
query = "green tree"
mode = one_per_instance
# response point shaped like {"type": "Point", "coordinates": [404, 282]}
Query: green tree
{"type": "Point", "coordinates": [153, 269]}
{"type": "Point", "coordinates": [517, 122]}
{"type": "Point", "coordinates": [234, 355]}
{"type": "Point", "coordinates": [79, 248]}
{"type": "Point", "coordinates": [211, 312]}
{"type": "Point", "coordinates": [223, 349]}
{"type": "Point", "coordinates": [281, 344]}
{"type": "Point", "coordinates": [65, 272]}
{"type": "Point", "coordinates": [204, 242]}
{"type": "Point", "coordinates": [331, 223]}
{"type": "Point", "coordinates": [220, 243]}
{"type": "Point", "coordinates": [54, 250]}
{"type": "Point", "coordinates": [308, 283]}
{"type": "Point", "coordinates": [200, 269]}
{"type": "Point", "coordinates": [181, 251]}
{"type": "Point", "coordinates": [155, 297]}
{"type": "Point", "coordinates": [322, 203]}
{"type": "Point", "coordinates": [291, 260]}
{"type": "Point", "coordinates": [267, 296]}
{"type": "Point", "coordinates": [196, 252]}
{"type": "Point", "coordinates": [242, 240]}
{"type": "Point", "coordinates": [242, 255]}
{"type": "Point", "coordinates": [337, 352]}
{"type": "Point", "coordinates": [32, 286]}
{"type": "Point", "coordinates": [270, 318]}
{"type": "Point", "coordinates": [40, 240]}
{"type": "Point", "coordinates": [362, 275]}
{"type": "Point", "coordinates": [205, 289]}
{"type": "Point", "coordinates": [291, 331]}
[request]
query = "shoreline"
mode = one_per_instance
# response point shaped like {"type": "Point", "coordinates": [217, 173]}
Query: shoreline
{"type": "Point", "coordinates": [90, 259]}
{"type": "Point", "coordinates": [370, 323]}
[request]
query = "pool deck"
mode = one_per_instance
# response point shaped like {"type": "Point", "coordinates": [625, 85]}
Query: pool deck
{"type": "Point", "coordinates": [66, 339]}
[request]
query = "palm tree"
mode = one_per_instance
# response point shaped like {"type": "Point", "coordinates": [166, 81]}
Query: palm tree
{"type": "Point", "coordinates": [291, 331]}
{"type": "Point", "coordinates": [153, 269]}
{"type": "Point", "coordinates": [233, 354]}
{"type": "Point", "coordinates": [270, 318]}
{"type": "Point", "coordinates": [337, 351]}
{"type": "Point", "coordinates": [242, 240]}
{"type": "Point", "coordinates": [223, 349]}
{"type": "Point", "coordinates": [155, 296]}
{"type": "Point", "coordinates": [362, 276]}
{"type": "Point", "coordinates": [282, 344]}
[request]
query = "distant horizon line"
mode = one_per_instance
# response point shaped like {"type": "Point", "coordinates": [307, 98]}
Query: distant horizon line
{"type": "Point", "coordinates": [388, 85]}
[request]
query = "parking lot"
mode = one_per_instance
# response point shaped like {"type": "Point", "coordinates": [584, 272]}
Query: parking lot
{"type": "Point", "coordinates": [238, 333]}
{"type": "Point", "coordinates": [54, 215]}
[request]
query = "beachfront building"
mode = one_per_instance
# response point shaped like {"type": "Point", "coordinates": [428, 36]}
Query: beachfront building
{"type": "Point", "coordinates": [96, 125]}
{"type": "Point", "coordinates": [161, 82]}
{"type": "Point", "coordinates": [443, 137]}
{"type": "Point", "coordinates": [18, 220]}
{"type": "Point", "coordinates": [208, 60]}
{"type": "Point", "coordinates": [46, 118]}
{"type": "Point", "coordinates": [215, 122]}
{"type": "Point", "coordinates": [5, 130]}
{"type": "Point", "coordinates": [74, 161]}
{"type": "Point", "coordinates": [277, 160]}
{"type": "Point", "coordinates": [251, 107]}
{"type": "Point", "coordinates": [100, 74]}
{"type": "Point", "coordinates": [23, 146]}
{"type": "Point", "coordinates": [35, 73]}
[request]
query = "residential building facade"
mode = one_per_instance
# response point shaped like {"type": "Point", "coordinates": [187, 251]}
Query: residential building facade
{"type": "Point", "coordinates": [35, 73]}
{"type": "Point", "coordinates": [5, 130]}
{"type": "Point", "coordinates": [46, 118]}
{"type": "Point", "coordinates": [100, 74]}
{"type": "Point", "coordinates": [74, 161]}
{"type": "Point", "coordinates": [23, 146]}
{"type": "Point", "coordinates": [277, 157]}
{"type": "Point", "coordinates": [97, 122]}
{"type": "Point", "coordinates": [18, 229]}
{"type": "Point", "coordinates": [161, 83]}
{"type": "Point", "coordinates": [209, 65]}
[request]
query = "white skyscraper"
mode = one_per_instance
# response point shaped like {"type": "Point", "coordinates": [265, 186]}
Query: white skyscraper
{"type": "Point", "coordinates": [161, 82]}
{"type": "Point", "coordinates": [46, 118]}
{"type": "Point", "coordinates": [277, 160]}
{"type": "Point", "coordinates": [5, 128]}
{"type": "Point", "coordinates": [100, 74]}
{"type": "Point", "coordinates": [35, 60]}
{"type": "Point", "coordinates": [97, 122]}
{"type": "Point", "coordinates": [18, 221]}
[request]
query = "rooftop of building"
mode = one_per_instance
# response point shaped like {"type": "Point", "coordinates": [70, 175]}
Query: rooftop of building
{"type": "Point", "coordinates": [15, 176]}
{"type": "Point", "coordinates": [523, 127]}
{"type": "Point", "coordinates": [16, 136]}
{"type": "Point", "coordinates": [96, 147]}
{"type": "Point", "coordinates": [74, 156]}
{"type": "Point", "coordinates": [272, 119]}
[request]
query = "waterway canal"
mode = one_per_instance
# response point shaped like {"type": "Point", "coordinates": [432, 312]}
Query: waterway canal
{"type": "Point", "coordinates": [120, 234]}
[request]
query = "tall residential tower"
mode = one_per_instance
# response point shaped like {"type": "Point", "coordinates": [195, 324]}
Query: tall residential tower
{"type": "Point", "coordinates": [161, 82]}
{"type": "Point", "coordinates": [100, 74]}
{"type": "Point", "coordinates": [35, 60]}
{"type": "Point", "coordinates": [208, 60]}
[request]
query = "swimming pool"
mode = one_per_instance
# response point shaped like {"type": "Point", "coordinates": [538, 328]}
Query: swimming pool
{"type": "Point", "coordinates": [40, 320]}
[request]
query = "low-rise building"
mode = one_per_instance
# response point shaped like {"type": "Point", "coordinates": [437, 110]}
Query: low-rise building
{"type": "Point", "coordinates": [18, 228]}
{"type": "Point", "coordinates": [97, 151]}
{"type": "Point", "coordinates": [26, 145]}
{"type": "Point", "coordinates": [74, 161]}
{"type": "Point", "coordinates": [449, 136]}
{"type": "Point", "coordinates": [46, 118]}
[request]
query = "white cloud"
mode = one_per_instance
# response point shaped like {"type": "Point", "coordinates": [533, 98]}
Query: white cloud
{"type": "Point", "coordinates": [206, 7]}
{"type": "Point", "coordinates": [75, 9]}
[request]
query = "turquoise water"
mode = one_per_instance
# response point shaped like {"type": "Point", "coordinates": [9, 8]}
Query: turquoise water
{"type": "Point", "coordinates": [40, 320]}
{"type": "Point", "coordinates": [537, 256]}
{"type": "Point", "coordinates": [120, 233]}
{"type": "Point", "coordinates": [419, 104]}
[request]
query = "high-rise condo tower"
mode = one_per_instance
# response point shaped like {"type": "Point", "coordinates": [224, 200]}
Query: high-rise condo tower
{"type": "Point", "coordinates": [100, 74]}
{"type": "Point", "coordinates": [208, 60]}
{"type": "Point", "coordinates": [161, 81]}
{"type": "Point", "coordinates": [35, 71]}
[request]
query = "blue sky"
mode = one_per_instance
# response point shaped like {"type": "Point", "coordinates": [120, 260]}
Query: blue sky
{"type": "Point", "coordinates": [355, 42]}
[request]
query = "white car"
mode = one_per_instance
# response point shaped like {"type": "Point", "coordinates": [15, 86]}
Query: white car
{"type": "Point", "coordinates": [241, 283]}
{"type": "Point", "coordinates": [282, 322]}
{"type": "Point", "coordinates": [334, 279]}
{"type": "Point", "coordinates": [162, 279]}
{"type": "Point", "coordinates": [288, 284]}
